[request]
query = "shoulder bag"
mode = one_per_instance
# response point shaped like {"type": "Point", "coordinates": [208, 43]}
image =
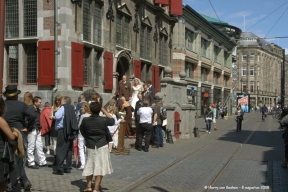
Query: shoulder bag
{"type": "Point", "coordinates": [8, 154]}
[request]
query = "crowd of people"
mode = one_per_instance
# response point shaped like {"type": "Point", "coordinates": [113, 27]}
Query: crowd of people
{"type": "Point", "coordinates": [90, 127]}
{"type": "Point", "coordinates": [214, 112]}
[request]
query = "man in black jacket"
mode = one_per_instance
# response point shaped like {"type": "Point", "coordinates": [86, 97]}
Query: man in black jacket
{"type": "Point", "coordinates": [136, 117]}
{"type": "Point", "coordinates": [15, 117]}
{"type": "Point", "coordinates": [66, 134]}
{"type": "Point", "coordinates": [35, 139]}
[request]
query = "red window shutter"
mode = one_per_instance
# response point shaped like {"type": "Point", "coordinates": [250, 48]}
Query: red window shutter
{"type": "Point", "coordinates": [137, 69]}
{"type": "Point", "coordinates": [77, 54]}
{"type": "Point", "coordinates": [46, 66]}
{"type": "Point", "coordinates": [162, 2]}
{"type": "Point", "coordinates": [108, 70]}
{"type": "Point", "coordinates": [176, 7]}
{"type": "Point", "coordinates": [157, 79]}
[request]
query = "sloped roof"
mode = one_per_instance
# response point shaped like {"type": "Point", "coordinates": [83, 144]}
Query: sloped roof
{"type": "Point", "coordinates": [230, 30]}
{"type": "Point", "coordinates": [248, 38]}
{"type": "Point", "coordinates": [213, 20]}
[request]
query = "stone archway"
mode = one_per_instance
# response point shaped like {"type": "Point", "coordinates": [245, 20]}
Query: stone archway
{"type": "Point", "coordinates": [124, 63]}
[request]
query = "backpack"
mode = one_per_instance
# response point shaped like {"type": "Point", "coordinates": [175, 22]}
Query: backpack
{"type": "Point", "coordinates": [163, 113]}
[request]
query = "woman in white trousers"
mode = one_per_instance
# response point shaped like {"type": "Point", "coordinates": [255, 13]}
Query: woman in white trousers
{"type": "Point", "coordinates": [81, 142]}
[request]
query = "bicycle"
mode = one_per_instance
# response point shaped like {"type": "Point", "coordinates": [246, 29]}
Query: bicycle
{"type": "Point", "coordinates": [263, 116]}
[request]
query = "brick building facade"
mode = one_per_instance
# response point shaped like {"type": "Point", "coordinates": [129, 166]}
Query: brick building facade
{"type": "Point", "coordinates": [205, 54]}
{"type": "Point", "coordinates": [98, 42]}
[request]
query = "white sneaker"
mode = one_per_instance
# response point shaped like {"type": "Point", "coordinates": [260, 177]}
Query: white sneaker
{"type": "Point", "coordinates": [209, 132]}
{"type": "Point", "coordinates": [48, 152]}
{"type": "Point", "coordinates": [206, 131]}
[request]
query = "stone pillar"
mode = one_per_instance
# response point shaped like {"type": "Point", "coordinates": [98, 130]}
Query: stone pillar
{"type": "Point", "coordinates": [222, 96]}
{"type": "Point", "coordinates": [211, 95]}
{"type": "Point", "coordinates": [197, 72]}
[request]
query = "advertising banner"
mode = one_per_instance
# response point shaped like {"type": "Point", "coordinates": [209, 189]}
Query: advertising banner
{"type": "Point", "coordinates": [243, 100]}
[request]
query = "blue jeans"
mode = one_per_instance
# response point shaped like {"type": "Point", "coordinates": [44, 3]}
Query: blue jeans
{"type": "Point", "coordinates": [208, 125]}
{"type": "Point", "coordinates": [158, 134]}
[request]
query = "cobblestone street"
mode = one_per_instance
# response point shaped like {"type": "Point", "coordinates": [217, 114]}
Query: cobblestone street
{"type": "Point", "coordinates": [220, 160]}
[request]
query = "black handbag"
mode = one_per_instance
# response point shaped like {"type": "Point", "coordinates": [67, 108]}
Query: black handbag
{"type": "Point", "coordinates": [107, 134]}
{"type": "Point", "coordinates": [8, 154]}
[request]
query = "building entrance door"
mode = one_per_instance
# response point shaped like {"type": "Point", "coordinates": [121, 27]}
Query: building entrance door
{"type": "Point", "coordinates": [123, 68]}
{"type": "Point", "coordinates": [177, 122]}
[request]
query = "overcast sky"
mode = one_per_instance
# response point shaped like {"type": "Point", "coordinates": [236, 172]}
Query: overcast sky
{"type": "Point", "coordinates": [234, 12]}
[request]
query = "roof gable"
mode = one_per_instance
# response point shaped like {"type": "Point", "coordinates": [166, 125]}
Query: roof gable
{"type": "Point", "coordinates": [124, 9]}
{"type": "Point", "coordinates": [146, 21]}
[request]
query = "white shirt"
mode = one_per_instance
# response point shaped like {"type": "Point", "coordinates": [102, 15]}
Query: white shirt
{"type": "Point", "coordinates": [145, 114]}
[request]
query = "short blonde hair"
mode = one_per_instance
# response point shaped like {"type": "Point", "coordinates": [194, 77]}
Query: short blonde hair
{"type": "Point", "coordinates": [122, 98]}
{"type": "Point", "coordinates": [86, 107]}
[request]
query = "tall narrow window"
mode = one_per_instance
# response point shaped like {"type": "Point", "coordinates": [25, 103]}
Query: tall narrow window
{"type": "Point", "coordinates": [123, 30]}
{"type": "Point", "coordinates": [226, 57]}
{"type": "Point", "coordinates": [145, 42]}
{"type": "Point", "coordinates": [189, 68]}
{"type": "Point", "coordinates": [226, 78]}
{"type": "Point", "coordinates": [86, 20]}
{"type": "Point", "coordinates": [86, 65]}
{"type": "Point", "coordinates": [13, 64]}
{"type": "Point", "coordinates": [30, 18]}
{"type": "Point", "coordinates": [163, 50]}
{"type": "Point", "coordinates": [142, 42]}
{"type": "Point", "coordinates": [119, 29]}
{"type": "Point", "coordinates": [244, 87]}
{"type": "Point", "coordinates": [252, 86]}
{"type": "Point", "coordinates": [31, 63]}
{"type": "Point", "coordinates": [126, 33]}
{"type": "Point", "coordinates": [97, 24]}
{"type": "Point", "coordinates": [215, 78]}
{"type": "Point", "coordinates": [148, 43]}
{"type": "Point", "coordinates": [244, 71]}
{"type": "Point", "coordinates": [11, 19]}
{"type": "Point", "coordinates": [251, 71]}
{"type": "Point", "coordinates": [204, 74]}
{"type": "Point", "coordinates": [252, 57]}
{"type": "Point", "coordinates": [244, 57]}
{"type": "Point", "coordinates": [189, 39]}
{"type": "Point", "coordinates": [216, 52]}
{"type": "Point", "coordinates": [204, 47]}
{"type": "Point", "coordinates": [96, 71]}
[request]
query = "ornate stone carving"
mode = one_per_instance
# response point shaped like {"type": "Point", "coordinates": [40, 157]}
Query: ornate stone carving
{"type": "Point", "coordinates": [136, 23]}
{"type": "Point", "coordinates": [155, 37]}
{"type": "Point", "coordinates": [167, 71]}
{"type": "Point", "coordinates": [78, 2]}
{"type": "Point", "coordinates": [182, 75]}
{"type": "Point", "coordinates": [110, 14]}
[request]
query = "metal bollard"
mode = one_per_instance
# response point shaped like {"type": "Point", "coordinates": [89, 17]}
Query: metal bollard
{"type": "Point", "coordinates": [169, 136]}
{"type": "Point", "coordinates": [196, 132]}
